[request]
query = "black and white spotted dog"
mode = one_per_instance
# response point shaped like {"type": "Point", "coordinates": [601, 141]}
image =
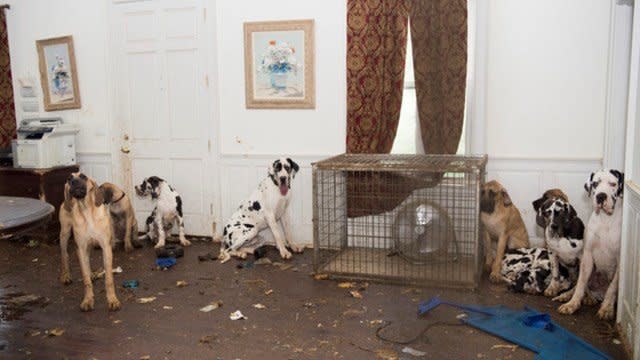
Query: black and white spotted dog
{"type": "Point", "coordinates": [167, 210]}
{"type": "Point", "coordinates": [266, 205]}
{"type": "Point", "coordinates": [563, 236]}
{"type": "Point", "coordinates": [529, 270]}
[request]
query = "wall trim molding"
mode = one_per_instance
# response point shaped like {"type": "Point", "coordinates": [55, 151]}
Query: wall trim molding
{"type": "Point", "coordinates": [617, 92]}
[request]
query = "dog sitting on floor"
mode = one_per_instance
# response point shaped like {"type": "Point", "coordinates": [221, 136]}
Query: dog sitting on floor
{"type": "Point", "coordinates": [123, 218]}
{"type": "Point", "coordinates": [84, 212]}
{"type": "Point", "coordinates": [502, 223]}
{"type": "Point", "coordinates": [599, 265]}
{"type": "Point", "coordinates": [529, 270]}
{"type": "Point", "coordinates": [167, 210]}
{"type": "Point", "coordinates": [266, 205]}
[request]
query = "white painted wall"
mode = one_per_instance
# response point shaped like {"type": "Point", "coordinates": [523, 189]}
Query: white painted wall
{"type": "Point", "coordinates": [320, 131]}
{"type": "Point", "coordinates": [31, 20]}
{"type": "Point", "coordinates": [546, 78]}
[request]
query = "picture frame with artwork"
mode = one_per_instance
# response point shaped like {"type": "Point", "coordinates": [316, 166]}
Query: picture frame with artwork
{"type": "Point", "coordinates": [279, 64]}
{"type": "Point", "coordinates": [58, 73]}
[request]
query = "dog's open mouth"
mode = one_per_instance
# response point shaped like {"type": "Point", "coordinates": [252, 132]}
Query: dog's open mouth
{"type": "Point", "coordinates": [284, 189]}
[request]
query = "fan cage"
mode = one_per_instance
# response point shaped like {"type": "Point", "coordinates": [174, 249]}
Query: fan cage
{"type": "Point", "coordinates": [355, 239]}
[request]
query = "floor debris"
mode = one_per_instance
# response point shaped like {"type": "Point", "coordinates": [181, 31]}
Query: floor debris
{"type": "Point", "coordinates": [386, 354]}
{"type": "Point", "coordinates": [346, 285]}
{"type": "Point", "coordinates": [130, 284]}
{"type": "Point", "coordinates": [268, 292]}
{"type": "Point", "coordinates": [207, 257]}
{"type": "Point", "coordinates": [237, 315]}
{"type": "Point", "coordinates": [414, 352]}
{"type": "Point", "coordinates": [25, 300]}
{"type": "Point", "coordinates": [321, 276]}
{"type": "Point", "coordinates": [259, 306]}
{"type": "Point", "coordinates": [263, 261]}
{"type": "Point", "coordinates": [55, 332]}
{"type": "Point", "coordinates": [145, 300]}
{"type": "Point", "coordinates": [356, 294]}
{"type": "Point", "coordinates": [181, 283]}
{"type": "Point", "coordinates": [166, 307]}
{"type": "Point", "coordinates": [502, 346]}
{"type": "Point", "coordinates": [214, 305]}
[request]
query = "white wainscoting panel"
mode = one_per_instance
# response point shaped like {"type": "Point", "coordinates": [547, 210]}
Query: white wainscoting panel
{"type": "Point", "coordinates": [96, 165]}
{"type": "Point", "coordinates": [628, 314]}
{"type": "Point", "coordinates": [527, 179]}
{"type": "Point", "coordinates": [240, 176]}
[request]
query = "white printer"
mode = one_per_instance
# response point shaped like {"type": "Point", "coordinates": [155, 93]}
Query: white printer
{"type": "Point", "coordinates": [44, 143]}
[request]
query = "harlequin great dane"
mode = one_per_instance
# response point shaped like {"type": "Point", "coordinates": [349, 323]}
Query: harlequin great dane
{"type": "Point", "coordinates": [266, 205]}
{"type": "Point", "coordinates": [602, 244]}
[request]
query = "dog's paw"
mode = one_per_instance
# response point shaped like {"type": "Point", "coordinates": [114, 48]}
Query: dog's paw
{"type": "Point", "coordinates": [158, 245]}
{"type": "Point", "coordinates": [551, 291]}
{"type": "Point", "coordinates": [224, 257]}
{"type": "Point", "coordinates": [185, 242]}
{"type": "Point", "coordinates": [113, 304]}
{"type": "Point", "coordinates": [65, 278]}
{"type": "Point", "coordinates": [87, 304]}
{"type": "Point", "coordinates": [606, 312]}
{"type": "Point", "coordinates": [568, 308]}
{"type": "Point", "coordinates": [285, 254]}
{"type": "Point", "coordinates": [495, 277]}
{"type": "Point", "coordinates": [564, 297]}
{"type": "Point", "coordinates": [297, 248]}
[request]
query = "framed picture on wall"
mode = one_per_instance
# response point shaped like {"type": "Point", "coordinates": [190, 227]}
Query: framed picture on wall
{"type": "Point", "coordinates": [279, 65]}
{"type": "Point", "coordinates": [58, 73]}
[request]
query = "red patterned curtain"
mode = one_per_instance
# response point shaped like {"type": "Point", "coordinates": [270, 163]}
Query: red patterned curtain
{"type": "Point", "coordinates": [376, 48]}
{"type": "Point", "coordinates": [439, 40]}
{"type": "Point", "coordinates": [7, 110]}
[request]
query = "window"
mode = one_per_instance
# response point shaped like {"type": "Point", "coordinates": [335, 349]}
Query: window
{"type": "Point", "coordinates": [408, 139]}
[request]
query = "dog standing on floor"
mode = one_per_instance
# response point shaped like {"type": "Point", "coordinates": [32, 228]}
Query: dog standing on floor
{"type": "Point", "coordinates": [123, 218]}
{"type": "Point", "coordinates": [84, 212]}
{"type": "Point", "coordinates": [266, 205]}
{"type": "Point", "coordinates": [167, 210]}
{"type": "Point", "coordinates": [502, 221]}
{"type": "Point", "coordinates": [602, 243]}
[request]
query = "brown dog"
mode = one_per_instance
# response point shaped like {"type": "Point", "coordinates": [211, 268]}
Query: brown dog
{"type": "Point", "coordinates": [83, 212]}
{"type": "Point", "coordinates": [123, 218]}
{"type": "Point", "coordinates": [502, 222]}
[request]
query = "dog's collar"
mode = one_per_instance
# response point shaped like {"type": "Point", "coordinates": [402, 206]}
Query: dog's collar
{"type": "Point", "coordinates": [121, 197]}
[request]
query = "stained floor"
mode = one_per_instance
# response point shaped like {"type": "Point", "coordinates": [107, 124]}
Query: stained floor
{"type": "Point", "coordinates": [301, 318]}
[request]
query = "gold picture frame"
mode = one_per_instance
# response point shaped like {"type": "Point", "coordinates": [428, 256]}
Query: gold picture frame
{"type": "Point", "coordinates": [275, 75]}
{"type": "Point", "coordinates": [58, 73]}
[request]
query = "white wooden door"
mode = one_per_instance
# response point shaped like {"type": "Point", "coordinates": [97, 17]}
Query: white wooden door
{"type": "Point", "coordinates": [162, 103]}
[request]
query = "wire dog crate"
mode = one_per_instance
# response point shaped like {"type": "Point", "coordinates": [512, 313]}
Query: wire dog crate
{"type": "Point", "coordinates": [411, 219]}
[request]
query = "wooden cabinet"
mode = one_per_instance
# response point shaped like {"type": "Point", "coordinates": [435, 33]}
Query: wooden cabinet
{"type": "Point", "coordinates": [44, 184]}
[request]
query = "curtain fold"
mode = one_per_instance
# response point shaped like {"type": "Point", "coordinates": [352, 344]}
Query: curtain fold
{"type": "Point", "coordinates": [439, 41]}
{"type": "Point", "coordinates": [376, 49]}
{"type": "Point", "coordinates": [7, 109]}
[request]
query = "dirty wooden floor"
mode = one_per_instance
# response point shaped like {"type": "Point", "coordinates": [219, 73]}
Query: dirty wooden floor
{"type": "Point", "coordinates": [303, 319]}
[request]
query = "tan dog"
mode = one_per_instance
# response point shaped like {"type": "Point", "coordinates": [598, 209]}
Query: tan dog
{"type": "Point", "coordinates": [123, 218]}
{"type": "Point", "coordinates": [83, 212]}
{"type": "Point", "coordinates": [502, 222]}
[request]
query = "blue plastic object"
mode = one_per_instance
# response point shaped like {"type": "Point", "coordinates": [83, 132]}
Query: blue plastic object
{"type": "Point", "coordinates": [130, 284]}
{"type": "Point", "coordinates": [165, 262]}
{"type": "Point", "coordinates": [527, 328]}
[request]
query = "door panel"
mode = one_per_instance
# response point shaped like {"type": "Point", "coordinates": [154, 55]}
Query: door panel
{"type": "Point", "coordinates": [161, 87]}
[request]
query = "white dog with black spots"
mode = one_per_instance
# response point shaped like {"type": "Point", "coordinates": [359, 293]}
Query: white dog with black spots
{"type": "Point", "coordinates": [267, 205]}
{"type": "Point", "coordinates": [166, 212]}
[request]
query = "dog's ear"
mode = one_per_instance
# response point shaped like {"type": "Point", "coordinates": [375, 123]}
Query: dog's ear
{"type": "Point", "coordinates": [98, 195]}
{"type": "Point", "coordinates": [66, 204]}
{"type": "Point", "coordinates": [537, 203]}
{"type": "Point", "coordinates": [506, 199]}
{"type": "Point", "coordinates": [107, 192]}
{"type": "Point", "coordinates": [272, 168]}
{"type": "Point", "coordinates": [294, 167]}
{"type": "Point", "coordinates": [589, 184]}
{"type": "Point", "coordinates": [572, 211]}
{"type": "Point", "coordinates": [620, 176]}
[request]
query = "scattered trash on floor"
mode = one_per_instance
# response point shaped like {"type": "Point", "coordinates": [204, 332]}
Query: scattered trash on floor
{"type": "Point", "coordinates": [259, 306]}
{"type": "Point", "coordinates": [117, 270]}
{"type": "Point", "coordinates": [145, 357]}
{"type": "Point", "coordinates": [263, 261]}
{"type": "Point", "coordinates": [282, 266]}
{"type": "Point", "coordinates": [346, 285]}
{"type": "Point", "coordinates": [99, 274]}
{"type": "Point", "coordinates": [211, 307]}
{"type": "Point", "coordinates": [321, 276]}
{"type": "Point", "coordinates": [117, 321]}
{"type": "Point", "coordinates": [268, 292]}
{"type": "Point", "coordinates": [34, 260]}
{"type": "Point", "coordinates": [181, 283]}
{"type": "Point", "coordinates": [130, 284]}
{"type": "Point", "coordinates": [145, 300]}
{"type": "Point", "coordinates": [461, 316]}
{"type": "Point", "coordinates": [166, 307]}
{"type": "Point", "coordinates": [165, 263]}
{"type": "Point", "coordinates": [207, 339]}
{"type": "Point", "coordinates": [237, 315]}
{"type": "Point", "coordinates": [32, 243]}
{"type": "Point", "coordinates": [208, 257]}
{"type": "Point", "coordinates": [414, 352]}
{"type": "Point", "coordinates": [386, 354]}
{"type": "Point", "coordinates": [55, 332]}
{"type": "Point", "coordinates": [356, 294]}
{"type": "Point", "coordinates": [502, 346]}
{"type": "Point", "coordinates": [32, 333]}
{"type": "Point", "coordinates": [25, 300]}
{"type": "Point", "coordinates": [617, 342]}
